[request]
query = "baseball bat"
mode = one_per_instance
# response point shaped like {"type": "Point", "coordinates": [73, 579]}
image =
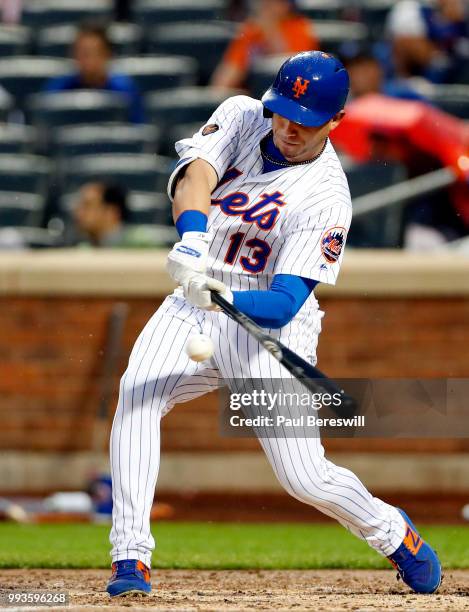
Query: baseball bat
{"type": "Point", "coordinates": [311, 377]}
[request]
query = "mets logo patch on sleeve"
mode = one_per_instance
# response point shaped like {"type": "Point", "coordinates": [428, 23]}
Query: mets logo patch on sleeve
{"type": "Point", "coordinates": [210, 129]}
{"type": "Point", "coordinates": [332, 242]}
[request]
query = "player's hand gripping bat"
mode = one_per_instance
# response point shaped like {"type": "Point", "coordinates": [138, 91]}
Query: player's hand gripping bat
{"type": "Point", "coordinates": [312, 378]}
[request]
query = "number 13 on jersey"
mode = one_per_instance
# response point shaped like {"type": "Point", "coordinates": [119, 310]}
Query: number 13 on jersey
{"type": "Point", "coordinates": [257, 259]}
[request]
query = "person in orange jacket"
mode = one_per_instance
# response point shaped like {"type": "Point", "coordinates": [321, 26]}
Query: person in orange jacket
{"type": "Point", "coordinates": [274, 28]}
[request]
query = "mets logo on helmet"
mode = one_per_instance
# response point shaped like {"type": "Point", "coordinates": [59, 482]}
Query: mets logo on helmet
{"type": "Point", "coordinates": [300, 86]}
{"type": "Point", "coordinates": [332, 242]}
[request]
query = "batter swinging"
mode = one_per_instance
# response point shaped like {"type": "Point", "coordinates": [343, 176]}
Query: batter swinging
{"type": "Point", "coordinates": [262, 206]}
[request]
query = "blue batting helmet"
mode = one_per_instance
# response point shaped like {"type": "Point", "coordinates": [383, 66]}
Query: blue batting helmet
{"type": "Point", "coordinates": [309, 89]}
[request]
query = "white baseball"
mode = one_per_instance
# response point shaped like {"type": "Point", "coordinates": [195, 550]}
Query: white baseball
{"type": "Point", "coordinates": [199, 347]}
{"type": "Point", "coordinates": [465, 512]}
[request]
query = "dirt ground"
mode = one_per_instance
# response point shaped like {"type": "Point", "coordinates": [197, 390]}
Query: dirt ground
{"type": "Point", "coordinates": [186, 590]}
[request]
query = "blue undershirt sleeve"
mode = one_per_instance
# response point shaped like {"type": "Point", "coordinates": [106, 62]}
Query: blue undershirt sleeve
{"type": "Point", "coordinates": [277, 306]}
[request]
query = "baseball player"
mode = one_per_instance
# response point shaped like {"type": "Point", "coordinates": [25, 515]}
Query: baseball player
{"type": "Point", "coordinates": [262, 206]}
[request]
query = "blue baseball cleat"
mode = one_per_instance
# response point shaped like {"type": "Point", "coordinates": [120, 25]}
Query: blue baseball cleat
{"type": "Point", "coordinates": [129, 576]}
{"type": "Point", "coordinates": [416, 562]}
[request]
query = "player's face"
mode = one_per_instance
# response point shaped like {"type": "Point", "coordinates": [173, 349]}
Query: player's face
{"type": "Point", "coordinates": [299, 143]}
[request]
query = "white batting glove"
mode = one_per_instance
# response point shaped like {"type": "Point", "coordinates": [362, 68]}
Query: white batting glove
{"type": "Point", "coordinates": [197, 291]}
{"type": "Point", "coordinates": [188, 256]}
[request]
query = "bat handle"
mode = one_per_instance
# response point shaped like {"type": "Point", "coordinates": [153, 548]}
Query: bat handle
{"type": "Point", "coordinates": [220, 301]}
{"type": "Point", "coordinates": [217, 298]}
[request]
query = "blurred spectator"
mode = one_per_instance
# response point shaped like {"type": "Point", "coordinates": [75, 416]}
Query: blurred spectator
{"type": "Point", "coordinates": [101, 214]}
{"type": "Point", "coordinates": [92, 52]}
{"type": "Point", "coordinates": [430, 41]}
{"type": "Point", "coordinates": [367, 76]}
{"type": "Point", "coordinates": [274, 28]}
{"type": "Point", "coordinates": [237, 10]}
{"type": "Point", "coordinates": [11, 10]}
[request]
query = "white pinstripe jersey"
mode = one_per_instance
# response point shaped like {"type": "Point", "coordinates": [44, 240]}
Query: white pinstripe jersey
{"type": "Point", "coordinates": [288, 221]}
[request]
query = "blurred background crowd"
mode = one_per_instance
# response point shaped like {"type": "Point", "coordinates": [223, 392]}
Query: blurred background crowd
{"type": "Point", "coordinates": [94, 93]}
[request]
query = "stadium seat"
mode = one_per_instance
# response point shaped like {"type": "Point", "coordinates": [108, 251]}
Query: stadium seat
{"type": "Point", "coordinates": [147, 208]}
{"type": "Point", "coordinates": [37, 14]}
{"type": "Point", "coordinates": [179, 132]}
{"type": "Point", "coordinates": [6, 104]}
{"type": "Point", "coordinates": [17, 138]}
{"type": "Point", "coordinates": [262, 73]}
{"type": "Point", "coordinates": [98, 139]}
{"type": "Point", "coordinates": [71, 107]}
{"type": "Point", "coordinates": [204, 42]}
{"type": "Point", "coordinates": [155, 12]}
{"type": "Point", "coordinates": [178, 106]}
{"type": "Point", "coordinates": [188, 104]}
{"type": "Point", "coordinates": [143, 172]}
{"type": "Point", "coordinates": [24, 173]}
{"type": "Point", "coordinates": [321, 9]}
{"type": "Point", "coordinates": [56, 41]}
{"type": "Point", "coordinates": [377, 230]}
{"type": "Point", "coordinates": [368, 177]}
{"type": "Point", "coordinates": [153, 73]}
{"type": "Point", "coordinates": [462, 74]}
{"type": "Point", "coordinates": [126, 38]}
{"type": "Point", "coordinates": [382, 228]}
{"type": "Point", "coordinates": [14, 40]}
{"type": "Point", "coordinates": [374, 13]}
{"type": "Point", "coordinates": [184, 130]}
{"type": "Point", "coordinates": [17, 209]}
{"type": "Point", "coordinates": [333, 33]}
{"type": "Point", "coordinates": [144, 207]}
{"type": "Point", "coordinates": [453, 99]}
{"type": "Point", "coordinates": [20, 237]}
{"type": "Point", "coordinates": [25, 75]}
{"type": "Point", "coordinates": [155, 234]}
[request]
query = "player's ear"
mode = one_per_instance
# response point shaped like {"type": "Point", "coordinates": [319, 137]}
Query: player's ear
{"type": "Point", "coordinates": [336, 119]}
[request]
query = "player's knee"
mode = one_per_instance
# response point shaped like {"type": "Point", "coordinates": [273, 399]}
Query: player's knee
{"type": "Point", "coordinates": [132, 384]}
{"type": "Point", "coordinates": [309, 485]}
{"type": "Point", "coordinates": [125, 385]}
{"type": "Point", "coordinates": [139, 391]}
{"type": "Point", "coordinates": [311, 493]}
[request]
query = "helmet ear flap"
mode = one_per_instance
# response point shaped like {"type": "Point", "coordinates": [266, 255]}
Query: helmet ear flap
{"type": "Point", "coordinates": [267, 113]}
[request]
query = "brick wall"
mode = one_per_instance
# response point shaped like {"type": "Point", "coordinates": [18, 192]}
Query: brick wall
{"type": "Point", "coordinates": [51, 358]}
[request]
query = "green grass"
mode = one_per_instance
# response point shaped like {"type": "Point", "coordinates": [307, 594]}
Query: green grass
{"type": "Point", "coordinates": [216, 546]}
